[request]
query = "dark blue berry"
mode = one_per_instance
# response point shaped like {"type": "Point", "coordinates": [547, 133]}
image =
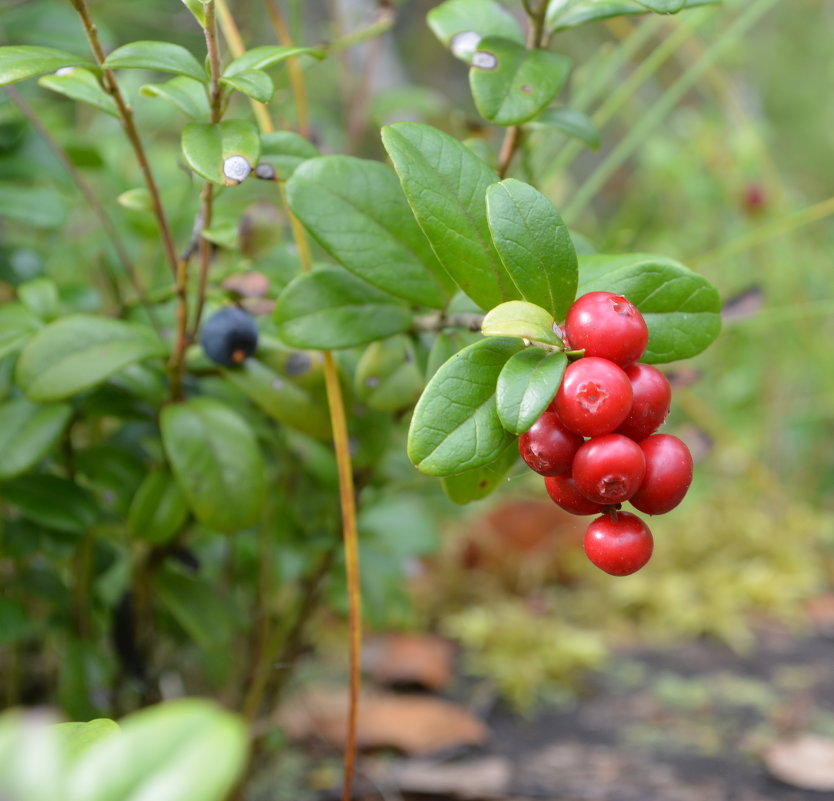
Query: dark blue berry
{"type": "Point", "coordinates": [229, 336]}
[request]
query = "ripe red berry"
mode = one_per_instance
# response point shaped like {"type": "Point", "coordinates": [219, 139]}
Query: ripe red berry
{"type": "Point", "coordinates": [563, 493]}
{"type": "Point", "coordinates": [619, 544]}
{"type": "Point", "coordinates": [609, 469]}
{"type": "Point", "coordinates": [652, 398]}
{"type": "Point", "coordinates": [668, 474]}
{"type": "Point", "coordinates": [594, 398]}
{"type": "Point", "coordinates": [548, 447]}
{"type": "Point", "coordinates": [608, 326]}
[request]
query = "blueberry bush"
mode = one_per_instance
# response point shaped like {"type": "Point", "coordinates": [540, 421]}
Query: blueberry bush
{"type": "Point", "coordinates": [234, 310]}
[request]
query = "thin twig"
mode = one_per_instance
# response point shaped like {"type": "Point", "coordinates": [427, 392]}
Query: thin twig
{"type": "Point", "coordinates": [111, 85]}
{"type": "Point", "coordinates": [92, 199]}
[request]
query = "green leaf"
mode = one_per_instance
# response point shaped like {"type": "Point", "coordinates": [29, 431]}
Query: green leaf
{"type": "Point", "coordinates": [281, 399]}
{"type": "Point", "coordinates": [564, 14]}
{"type": "Point", "coordinates": [252, 83]}
{"type": "Point", "coordinates": [286, 151]}
{"type": "Point", "coordinates": [159, 56]}
{"type": "Point", "coordinates": [20, 62]}
{"type": "Point", "coordinates": [80, 351]}
{"type": "Point", "coordinates": [223, 153]}
{"type": "Point", "coordinates": [526, 386]}
{"type": "Point", "coordinates": [17, 325]}
{"type": "Point", "coordinates": [455, 426]}
{"type": "Point", "coordinates": [387, 376]}
{"type": "Point", "coordinates": [183, 749]}
{"type": "Point", "coordinates": [138, 199]}
{"type": "Point", "coordinates": [663, 6]}
{"type": "Point", "coordinates": [31, 205]}
{"type": "Point", "coordinates": [28, 433]}
{"type": "Point", "coordinates": [461, 24]}
{"type": "Point", "coordinates": [78, 737]}
{"type": "Point", "coordinates": [534, 245]}
{"type": "Point", "coordinates": [445, 184]}
{"type": "Point", "coordinates": [517, 318]}
{"type": "Point", "coordinates": [198, 9]}
{"type": "Point", "coordinates": [216, 462]}
{"type": "Point", "coordinates": [570, 121]}
{"type": "Point", "coordinates": [260, 58]}
{"type": "Point", "coordinates": [196, 605]}
{"type": "Point", "coordinates": [474, 485]}
{"type": "Point", "coordinates": [681, 308]}
{"type": "Point", "coordinates": [32, 762]}
{"type": "Point", "coordinates": [186, 94]}
{"type": "Point", "coordinates": [356, 211]}
{"type": "Point", "coordinates": [330, 309]}
{"type": "Point", "coordinates": [511, 84]}
{"type": "Point", "coordinates": [159, 508]}
{"type": "Point", "coordinates": [53, 502]}
{"type": "Point", "coordinates": [40, 296]}
{"type": "Point", "coordinates": [82, 85]}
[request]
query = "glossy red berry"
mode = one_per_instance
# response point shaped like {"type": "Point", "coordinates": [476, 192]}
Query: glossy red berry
{"type": "Point", "coordinates": [668, 474]}
{"type": "Point", "coordinates": [563, 493]}
{"type": "Point", "coordinates": [609, 469]}
{"type": "Point", "coordinates": [650, 406]}
{"type": "Point", "coordinates": [619, 544]}
{"type": "Point", "coordinates": [548, 447]}
{"type": "Point", "coordinates": [608, 326]}
{"type": "Point", "coordinates": [594, 398]}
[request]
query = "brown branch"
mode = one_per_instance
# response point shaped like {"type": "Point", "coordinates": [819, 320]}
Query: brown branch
{"type": "Point", "coordinates": [111, 85]}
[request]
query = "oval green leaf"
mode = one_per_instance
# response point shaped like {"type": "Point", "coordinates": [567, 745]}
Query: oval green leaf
{"type": "Point", "coordinates": [681, 308]}
{"type": "Point", "coordinates": [569, 121]}
{"type": "Point", "coordinates": [80, 351]}
{"type": "Point", "coordinates": [526, 386]}
{"type": "Point", "coordinates": [216, 461]}
{"type": "Point", "coordinates": [329, 309]}
{"type": "Point", "coordinates": [564, 14]}
{"type": "Point", "coordinates": [159, 56]}
{"type": "Point", "coordinates": [80, 84]}
{"type": "Point", "coordinates": [158, 510]}
{"type": "Point", "coordinates": [455, 426]}
{"type": "Point", "coordinates": [280, 398]}
{"type": "Point", "coordinates": [252, 83]}
{"type": "Point", "coordinates": [28, 432]}
{"type": "Point", "coordinates": [20, 62]}
{"type": "Point", "coordinates": [186, 94]}
{"type": "Point", "coordinates": [286, 151]}
{"type": "Point", "coordinates": [461, 24]}
{"type": "Point", "coordinates": [53, 502]}
{"type": "Point", "coordinates": [40, 296]}
{"type": "Point", "coordinates": [517, 318]}
{"type": "Point", "coordinates": [356, 211]}
{"type": "Point", "coordinates": [511, 84]}
{"type": "Point", "coordinates": [475, 485]}
{"type": "Point", "coordinates": [183, 749]}
{"type": "Point", "coordinates": [534, 245]}
{"type": "Point", "coordinates": [387, 377]}
{"type": "Point", "coordinates": [78, 737]}
{"type": "Point", "coordinates": [17, 325]}
{"type": "Point", "coordinates": [445, 184]}
{"type": "Point", "coordinates": [224, 153]}
{"type": "Point", "coordinates": [261, 58]}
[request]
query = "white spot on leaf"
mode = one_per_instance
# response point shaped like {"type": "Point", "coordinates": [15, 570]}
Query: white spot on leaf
{"type": "Point", "coordinates": [485, 61]}
{"type": "Point", "coordinates": [464, 43]}
{"type": "Point", "coordinates": [65, 71]}
{"type": "Point", "coordinates": [236, 168]}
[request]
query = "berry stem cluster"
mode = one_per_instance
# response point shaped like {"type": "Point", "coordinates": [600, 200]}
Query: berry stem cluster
{"type": "Point", "coordinates": [596, 443]}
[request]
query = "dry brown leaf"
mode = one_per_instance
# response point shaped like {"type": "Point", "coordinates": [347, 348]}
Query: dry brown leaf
{"type": "Point", "coordinates": [487, 777]}
{"type": "Point", "coordinates": [409, 723]}
{"type": "Point", "coordinates": [422, 659]}
{"type": "Point", "coordinates": [806, 762]}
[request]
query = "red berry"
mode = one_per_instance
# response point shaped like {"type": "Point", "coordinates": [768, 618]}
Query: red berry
{"type": "Point", "coordinates": [668, 474]}
{"type": "Point", "coordinates": [619, 544]}
{"type": "Point", "coordinates": [548, 447]}
{"type": "Point", "coordinates": [563, 492]}
{"type": "Point", "coordinates": [652, 398]}
{"type": "Point", "coordinates": [609, 469]}
{"type": "Point", "coordinates": [594, 398]}
{"type": "Point", "coordinates": [608, 326]}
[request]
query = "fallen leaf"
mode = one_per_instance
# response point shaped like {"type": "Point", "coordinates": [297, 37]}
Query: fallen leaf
{"type": "Point", "coordinates": [412, 724]}
{"type": "Point", "coordinates": [806, 762]}
{"type": "Point", "coordinates": [486, 777]}
{"type": "Point", "coordinates": [410, 659]}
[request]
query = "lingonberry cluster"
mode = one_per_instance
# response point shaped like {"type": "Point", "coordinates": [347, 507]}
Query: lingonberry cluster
{"type": "Point", "coordinates": [618, 405]}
